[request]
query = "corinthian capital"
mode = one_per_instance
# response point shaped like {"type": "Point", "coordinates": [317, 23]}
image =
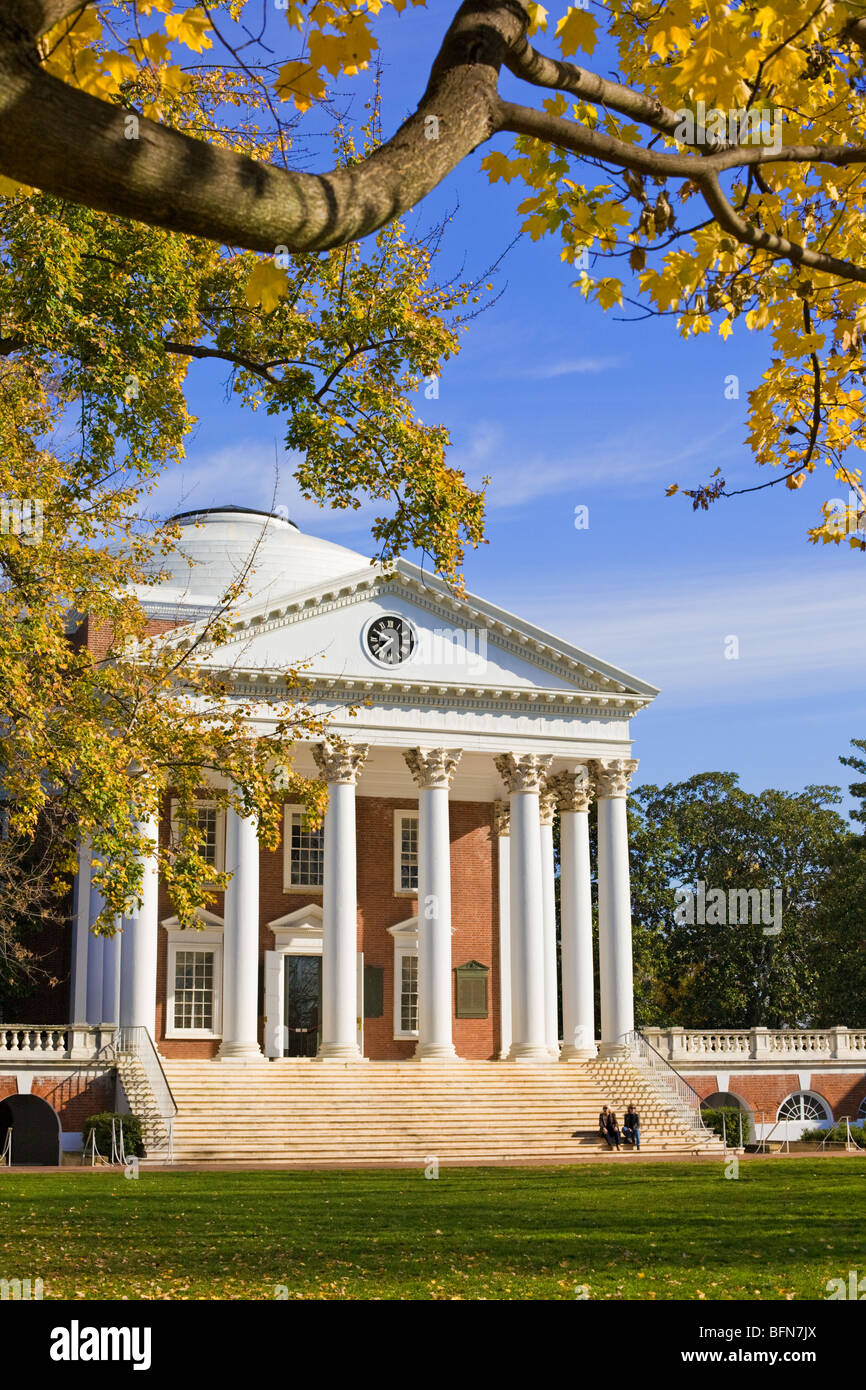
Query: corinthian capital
{"type": "Point", "coordinates": [340, 762]}
{"type": "Point", "coordinates": [432, 767]}
{"type": "Point", "coordinates": [612, 775]}
{"type": "Point", "coordinates": [501, 818]}
{"type": "Point", "coordinates": [546, 805]}
{"type": "Point", "coordinates": [573, 790]}
{"type": "Point", "coordinates": [522, 772]}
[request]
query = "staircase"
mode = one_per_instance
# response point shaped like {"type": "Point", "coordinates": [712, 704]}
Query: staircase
{"type": "Point", "coordinates": [141, 1074]}
{"type": "Point", "coordinates": [388, 1113]}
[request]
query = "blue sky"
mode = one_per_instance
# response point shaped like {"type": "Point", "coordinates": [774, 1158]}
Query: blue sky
{"type": "Point", "coordinates": [564, 406]}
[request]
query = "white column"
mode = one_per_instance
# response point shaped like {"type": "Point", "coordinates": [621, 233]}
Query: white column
{"type": "Point", "coordinates": [433, 770]}
{"type": "Point", "coordinates": [523, 776]}
{"type": "Point", "coordinates": [340, 765]}
{"type": "Point", "coordinates": [95, 952]}
{"type": "Point", "coordinates": [140, 935]}
{"type": "Point", "coordinates": [615, 966]}
{"type": "Point", "coordinates": [501, 826]}
{"type": "Point", "coordinates": [574, 792]}
{"type": "Point", "coordinates": [241, 940]}
{"type": "Point", "coordinates": [546, 807]}
{"type": "Point", "coordinates": [81, 943]}
{"type": "Point", "coordinates": [111, 953]}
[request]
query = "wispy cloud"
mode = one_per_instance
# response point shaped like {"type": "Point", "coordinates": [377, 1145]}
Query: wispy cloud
{"type": "Point", "coordinates": [573, 366]}
{"type": "Point", "coordinates": [627, 456]}
{"type": "Point", "coordinates": [794, 636]}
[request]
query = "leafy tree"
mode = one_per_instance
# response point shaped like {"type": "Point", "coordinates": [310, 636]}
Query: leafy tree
{"type": "Point", "coordinates": [857, 788]}
{"type": "Point", "coordinates": [840, 921]}
{"type": "Point", "coordinates": [724, 222]}
{"type": "Point", "coordinates": [100, 319]}
{"type": "Point", "coordinates": [707, 829]}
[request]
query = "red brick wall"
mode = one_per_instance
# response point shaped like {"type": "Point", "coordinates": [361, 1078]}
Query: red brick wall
{"type": "Point", "coordinates": [843, 1091]}
{"type": "Point", "coordinates": [474, 918]}
{"type": "Point", "coordinates": [75, 1097]}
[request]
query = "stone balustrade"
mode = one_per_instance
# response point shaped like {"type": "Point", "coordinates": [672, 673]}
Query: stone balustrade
{"type": "Point", "coordinates": [771, 1046]}
{"type": "Point", "coordinates": [21, 1043]}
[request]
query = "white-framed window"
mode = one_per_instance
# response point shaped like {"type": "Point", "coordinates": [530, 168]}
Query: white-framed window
{"type": "Point", "coordinates": [212, 827]}
{"type": "Point", "coordinates": [805, 1105]}
{"type": "Point", "coordinates": [406, 854]}
{"type": "Point", "coordinates": [405, 936]}
{"type": "Point", "coordinates": [194, 979]}
{"type": "Point", "coordinates": [303, 852]}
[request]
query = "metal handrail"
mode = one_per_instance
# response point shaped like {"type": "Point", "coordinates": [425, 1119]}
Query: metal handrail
{"type": "Point", "coordinates": [7, 1148]}
{"type": "Point", "coordinates": [137, 1042]}
{"type": "Point", "coordinates": [847, 1141]}
{"type": "Point", "coordinates": [685, 1099]}
{"type": "Point", "coordinates": [786, 1142]}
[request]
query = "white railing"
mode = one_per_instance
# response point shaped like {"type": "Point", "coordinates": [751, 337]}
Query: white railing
{"type": "Point", "coordinates": [138, 1044]}
{"type": "Point", "coordinates": [39, 1042]}
{"type": "Point", "coordinates": [686, 1046]}
{"type": "Point", "coordinates": [6, 1155]}
{"type": "Point", "coordinates": [683, 1099]}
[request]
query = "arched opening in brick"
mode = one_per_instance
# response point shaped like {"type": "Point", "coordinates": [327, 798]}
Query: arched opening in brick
{"type": "Point", "coordinates": [729, 1100]}
{"type": "Point", "coordinates": [35, 1129]}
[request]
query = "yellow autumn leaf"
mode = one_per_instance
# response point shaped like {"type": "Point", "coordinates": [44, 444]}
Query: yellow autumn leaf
{"type": "Point", "coordinates": [300, 83]}
{"type": "Point", "coordinates": [266, 286]}
{"type": "Point", "coordinates": [537, 18]}
{"type": "Point", "coordinates": [498, 166]}
{"type": "Point", "coordinates": [577, 29]}
{"type": "Point", "coordinates": [190, 28]}
{"type": "Point", "coordinates": [609, 292]}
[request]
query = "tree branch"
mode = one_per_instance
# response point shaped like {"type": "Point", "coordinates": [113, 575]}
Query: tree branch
{"type": "Point", "coordinates": [72, 145]}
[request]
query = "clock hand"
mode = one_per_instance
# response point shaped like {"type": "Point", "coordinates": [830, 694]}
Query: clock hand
{"type": "Point", "coordinates": [388, 646]}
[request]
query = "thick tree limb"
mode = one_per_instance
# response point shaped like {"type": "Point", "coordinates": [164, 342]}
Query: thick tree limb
{"type": "Point", "coordinates": [73, 145]}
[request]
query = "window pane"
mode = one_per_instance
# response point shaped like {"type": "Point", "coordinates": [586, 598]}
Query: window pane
{"type": "Point", "coordinates": [409, 994]}
{"type": "Point", "coordinates": [194, 989]}
{"type": "Point", "coordinates": [207, 824]}
{"type": "Point", "coordinates": [307, 854]}
{"type": "Point", "coordinates": [409, 852]}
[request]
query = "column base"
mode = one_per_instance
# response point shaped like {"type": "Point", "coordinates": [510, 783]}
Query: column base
{"type": "Point", "coordinates": [239, 1052]}
{"type": "Point", "coordinates": [578, 1054]}
{"type": "Point", "coordinates": [613, 1050]}
{"type": "Point", "coordinates": [528, 1052]}
{"type": "Point", "coordinates": [339, 1052]}
{"type": "Point", "coordinates": [436, 1052]}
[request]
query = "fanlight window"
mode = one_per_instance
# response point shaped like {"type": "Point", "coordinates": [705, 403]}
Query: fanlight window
{"type": "Point", "coordinates": [861, 1113]}
{"type": "Point", "coordinates": [802, 1105]}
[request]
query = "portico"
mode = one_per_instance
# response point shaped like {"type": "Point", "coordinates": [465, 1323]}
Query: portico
{"type": "Point", "coordinates": [426, 900]}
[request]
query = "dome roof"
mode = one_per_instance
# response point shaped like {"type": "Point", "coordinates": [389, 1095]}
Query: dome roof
{"type": "Point", "coordinates": [218, 543]}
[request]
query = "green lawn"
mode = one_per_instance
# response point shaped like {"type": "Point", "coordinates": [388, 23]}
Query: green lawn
{"type": "Point", "coordinates": [665, 1231]}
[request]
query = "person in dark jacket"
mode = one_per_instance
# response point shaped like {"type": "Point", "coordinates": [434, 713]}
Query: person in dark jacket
{"type": "Point", "coordinates": [602, 1126]}
{"type": "Point", "coordinates": [612, 1131]}
{"type": "Point", "coordinates": [631, 1126]}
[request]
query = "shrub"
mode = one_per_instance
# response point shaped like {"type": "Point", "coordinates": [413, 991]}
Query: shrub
{"type": "Point", "coordinates": [837, 1132]}
{"type": "Point", "coordinates": [133, 1143]}
{"type": "Point", "coordinates": [713, 1117]}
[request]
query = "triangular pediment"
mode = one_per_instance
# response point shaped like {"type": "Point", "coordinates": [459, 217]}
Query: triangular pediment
{"type": "Point", "coordinates": [438, 641]}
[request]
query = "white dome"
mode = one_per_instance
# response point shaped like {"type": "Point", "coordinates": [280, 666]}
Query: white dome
{"type": "Point", "coordinates": [216, 546]}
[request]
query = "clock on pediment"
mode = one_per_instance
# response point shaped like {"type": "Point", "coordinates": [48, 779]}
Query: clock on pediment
{"type": "Point", "coordinates": [390, 640]}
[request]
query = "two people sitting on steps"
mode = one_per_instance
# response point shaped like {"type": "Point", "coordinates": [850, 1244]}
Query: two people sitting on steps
{"type": "Point", "coordinates": [608, 1128]}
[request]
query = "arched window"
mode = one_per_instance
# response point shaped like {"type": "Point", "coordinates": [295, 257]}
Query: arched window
{"type": "Point", "coordinates": [861, 1113]}
{"type": "Point", "coordinates": [805, 1105]}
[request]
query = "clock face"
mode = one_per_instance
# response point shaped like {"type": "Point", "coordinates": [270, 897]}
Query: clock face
{"type": "Point", "coordinates": [390, 639]}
